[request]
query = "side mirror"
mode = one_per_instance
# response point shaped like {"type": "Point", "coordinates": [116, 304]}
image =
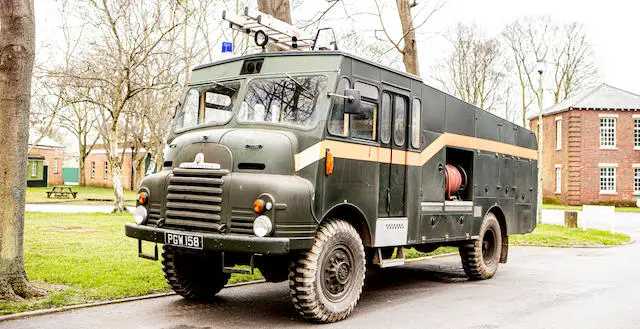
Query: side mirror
{"type": "Point", "coordinates": [352, 101]}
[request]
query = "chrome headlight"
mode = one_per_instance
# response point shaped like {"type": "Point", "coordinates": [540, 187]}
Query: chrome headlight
{"type": "Point", "coordinates": [140, 215]}
{"type": "Point", "coordinates": [262, 226]}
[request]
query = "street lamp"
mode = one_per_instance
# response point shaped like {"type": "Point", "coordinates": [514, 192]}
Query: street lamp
{"type": "Point", "coordinates": [540, 69]}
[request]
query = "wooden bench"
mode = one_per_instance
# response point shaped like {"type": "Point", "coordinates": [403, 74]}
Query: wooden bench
{"type": "Point", "coordinates": [61, 191]}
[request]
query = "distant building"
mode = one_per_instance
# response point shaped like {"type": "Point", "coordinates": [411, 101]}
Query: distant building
{"type": "Point", "coordinates": [45, 161]}
{"type": "Point", "coordinates": [98, 171]}
{"type": "Point", "coordinates": [591, 150]}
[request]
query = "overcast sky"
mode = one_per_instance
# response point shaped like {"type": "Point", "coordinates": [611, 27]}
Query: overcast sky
{"type": "Point", "coordinates": [611, 26]}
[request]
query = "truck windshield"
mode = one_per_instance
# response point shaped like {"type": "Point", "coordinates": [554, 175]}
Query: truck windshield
{"type": "Point", "coordinates": [288, 100]}
{"type": "Point", "coordinates": [210, 104]}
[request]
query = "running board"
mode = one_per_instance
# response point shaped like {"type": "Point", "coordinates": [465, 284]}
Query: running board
{"type": "Point", "coordinates": [391, 262]}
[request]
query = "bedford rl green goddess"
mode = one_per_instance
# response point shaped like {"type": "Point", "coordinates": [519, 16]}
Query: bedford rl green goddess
{"type": "Point", "coordinates": [317, 166]}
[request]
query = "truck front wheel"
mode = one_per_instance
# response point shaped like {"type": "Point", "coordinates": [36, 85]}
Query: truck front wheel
{"type": "Point", "coordinates": [326, 282]}
{"type": "Point", "coordinates": [193, 276]}
{"type": "Point", "coordinates": [480, 257]}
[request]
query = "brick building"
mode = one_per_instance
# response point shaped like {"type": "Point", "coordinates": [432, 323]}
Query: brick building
{"type": "Point", "coordinates": [591, 150]}
{"type": "Point", "coordinates": [46, 154]}
{"type": "Point", "coordinates": [97, 169]}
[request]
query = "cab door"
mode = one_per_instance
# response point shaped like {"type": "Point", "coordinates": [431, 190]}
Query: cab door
{"type": "Point", "coordinates": [393, 135]}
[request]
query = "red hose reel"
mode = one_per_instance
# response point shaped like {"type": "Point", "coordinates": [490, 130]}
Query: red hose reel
{"type": "Point", "coordinates": [455, 180]}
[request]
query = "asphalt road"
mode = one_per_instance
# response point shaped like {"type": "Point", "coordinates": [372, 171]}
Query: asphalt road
{"type": "Point", "coordinates": [538, 288]}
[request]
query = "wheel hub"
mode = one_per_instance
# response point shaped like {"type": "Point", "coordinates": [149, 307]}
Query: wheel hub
{"type": "Point", "coordinates": [337, 271]}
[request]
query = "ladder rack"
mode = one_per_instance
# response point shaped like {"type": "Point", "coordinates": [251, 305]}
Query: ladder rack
{"type": "Point", "coordinates": [277, 33]}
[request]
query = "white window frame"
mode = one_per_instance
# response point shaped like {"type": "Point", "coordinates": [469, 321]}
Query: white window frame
{"type": "Point", "coordinates": [93, 169]}
{"type": "Point", "coordinates": [613, 168]}
{"type": "Point", "coordinates": [604, 143]}
{"type": "Point", "coordinates": [558, 133]}
{"type": "Point", "coordinates": [636, 179]}
{"type": "Point", "coordinates": [558, 179]}
{"type": "Point", "coordinates": [106, 169]}
{"type": "Point", "coordinates": [636, 131]}
{"type": "Point", "coordinates": [55, 165]}
{"type": "Point", "coordinates": [34, 168]}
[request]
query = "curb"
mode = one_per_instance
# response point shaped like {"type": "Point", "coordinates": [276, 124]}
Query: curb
{"type": "Point", "coordinates": [537, 245]}
{"type": "Point", "coordinates": [29, 314]}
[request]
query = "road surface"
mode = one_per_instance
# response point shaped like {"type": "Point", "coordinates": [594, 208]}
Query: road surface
{"type": "Point", "coordinates": [538, 288]}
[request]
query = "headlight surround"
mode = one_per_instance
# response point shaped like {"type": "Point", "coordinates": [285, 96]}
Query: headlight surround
{"type": "Point", "coordinates": [262, 226]}
{"type": "Point", "coordinates": [140, 215]}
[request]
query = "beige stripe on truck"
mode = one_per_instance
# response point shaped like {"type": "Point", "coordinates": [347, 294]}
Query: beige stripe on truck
{"type": "Point", "coordinates": [344, 150]}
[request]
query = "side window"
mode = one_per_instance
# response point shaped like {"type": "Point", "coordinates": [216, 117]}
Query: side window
{"type": "Point", "coordinates": [416, 109]}
{"type": "Point", "coordinates": [400, 124]}
{"type": "Point", "coordinates": [364, 125]}
{"type": "Point", "coordinates": [385, 119]}
{"type": "Point", "coordinates": [367, 90]}
{"type": "Point", "coordinates": [339, 121]}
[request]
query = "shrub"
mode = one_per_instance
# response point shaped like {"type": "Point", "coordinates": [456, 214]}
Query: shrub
{"type": "Point", "coordinates": [615, 203]}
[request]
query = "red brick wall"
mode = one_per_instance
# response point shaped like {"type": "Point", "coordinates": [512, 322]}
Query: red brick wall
{"type": "Point", "coordinates": [591, 155]}
{"type": "Point", "coordinates": [51, 155]}
{"type": "Point", "coordinates": [99, 180]}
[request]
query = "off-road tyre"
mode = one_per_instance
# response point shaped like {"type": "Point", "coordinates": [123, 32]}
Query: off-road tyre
{"type": "Point", "coordinates": [480, 257]}
{"type": "Point", "coordinates": [193, 276]}
{"type": "Point", "coordinates": [326, 282]}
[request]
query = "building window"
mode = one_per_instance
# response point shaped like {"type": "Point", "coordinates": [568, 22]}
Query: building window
{"type": "Point", "coordinates": [607, 132]}
{"type": "Point", "coordinates": [106, 170]}
{"type": "Point", "coordinates": [55, 165]}
{"type": "Point", "coordinates": [34, 169]}
{"type": "Point", "coordinates": [636, 180]}
{"type": "Point", "coordinates": [607, 180]}
{"type": "Point", "coordinates": [558, 134]}
{"type": "Point", "coordinates": [636, 134]}
{"type": "Point", "coordinates": [558, 180]}
{"type": "Point", "coordinates": [93, 169]}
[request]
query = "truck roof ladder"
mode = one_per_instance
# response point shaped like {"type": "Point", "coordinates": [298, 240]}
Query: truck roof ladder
{"type": "Point", "coordinates": [266, 29]}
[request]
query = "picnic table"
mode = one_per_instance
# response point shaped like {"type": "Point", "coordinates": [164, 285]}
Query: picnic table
{"type": "Point", "coordinates": [61, 191]}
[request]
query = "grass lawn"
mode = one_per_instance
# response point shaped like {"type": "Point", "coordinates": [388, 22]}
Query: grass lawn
{"type": "Point", "coordinates": [39, 195]}
{"type": "Point", "coordinates": [563, 207]}
{"type": "Point", "coordinates": [82, 258]}
{"type": "Point", "coordinates": [558, 235]}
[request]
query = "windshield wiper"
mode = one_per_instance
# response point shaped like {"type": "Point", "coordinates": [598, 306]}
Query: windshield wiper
{"type": "Point", "coordinates": [300, 84]}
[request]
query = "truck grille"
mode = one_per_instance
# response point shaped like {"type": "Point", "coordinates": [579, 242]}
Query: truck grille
{"type": "Point", "coordinates": [242, 221]}
{"type": "Point", "coordinates": [194, 198]}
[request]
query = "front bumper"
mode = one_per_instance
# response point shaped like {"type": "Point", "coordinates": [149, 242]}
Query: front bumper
{"type": "Point", "coordinates": [226, 242]}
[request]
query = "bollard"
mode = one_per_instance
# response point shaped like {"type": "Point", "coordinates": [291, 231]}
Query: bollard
{"type": "Point", "coordinates": [570, 219]}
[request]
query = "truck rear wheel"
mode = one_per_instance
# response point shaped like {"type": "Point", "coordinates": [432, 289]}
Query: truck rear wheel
{"type": "Point", "coordinates": [326, 282]}
{"type": "Point", "coordinates": [481, 256]}
{"type": "Point", "coordinates": [193, 276]}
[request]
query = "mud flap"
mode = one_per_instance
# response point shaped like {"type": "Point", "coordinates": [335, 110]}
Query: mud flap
{"type": "Point", "coordinates": [505, 249]}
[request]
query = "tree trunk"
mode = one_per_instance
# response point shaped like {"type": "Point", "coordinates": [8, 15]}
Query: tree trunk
{"type": "Point", "coordinates": [410, 49]}
{"type": "Point", "coordinates": [277, 8]}
{"type": "Point", "coordinates": [82, 178]}
{"type": "Point", "coordinates": [116, 172]}
{"type": "Point", "coordinates": [17, 47]}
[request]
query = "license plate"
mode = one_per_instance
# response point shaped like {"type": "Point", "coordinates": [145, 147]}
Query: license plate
{"type": "Point", "coordinates": [192, 241]}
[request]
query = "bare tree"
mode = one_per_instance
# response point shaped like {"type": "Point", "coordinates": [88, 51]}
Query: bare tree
{"type": "Point", "coordinates": [17, 52]}
{"type": "Point", "coordinates": [573, 64]}
{"type": "Point", "coordinates": [130, 34]}
{"type": "Point", "coordinates": [472, 69]}
{"type": "Point", "coordinates": [406, 44]}
{"type": "Point", "coordinates": [528, 40]}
